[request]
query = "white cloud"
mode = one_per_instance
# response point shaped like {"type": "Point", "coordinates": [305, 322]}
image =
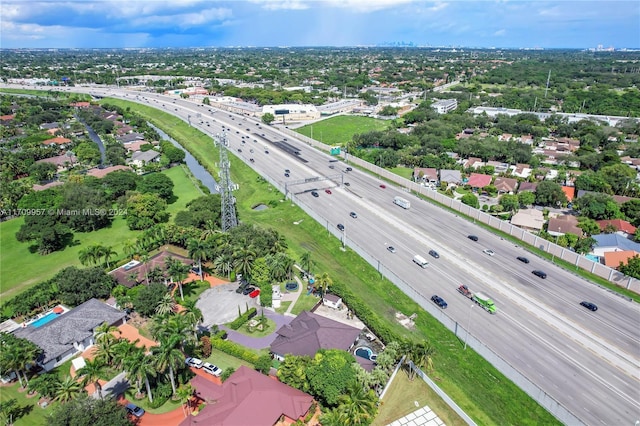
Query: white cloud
{"type": "Point", "coordinates": [282, 4]}
{"type": "Point", "coordinates": [367, 5]}
{"type": "Point", "coordinates": [185, 20]}
{"type": "Point", "coordinates": [500, 33]}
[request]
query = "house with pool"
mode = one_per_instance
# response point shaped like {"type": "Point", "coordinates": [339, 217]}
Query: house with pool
{"type": "Point", "coordinates": [309, 332]}
{"type": "Point", "coordinates": [62, 333]}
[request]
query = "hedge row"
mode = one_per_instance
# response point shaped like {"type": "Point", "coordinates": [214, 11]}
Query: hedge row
{"type": "Point", "coordinates": [242, 319]}
{"type": "Point", "coordinates": [376, 324]}
{"type": "Point", "coordinates": [235, 349]}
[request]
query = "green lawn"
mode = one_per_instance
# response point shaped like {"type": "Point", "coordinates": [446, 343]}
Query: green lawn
{"type": "Point", "coordinates": [20, 269]}
{"type": "Point", "coordinates": [339, 130]}
{"type": "Point", "coordinates": [224, 360]}
{"type": "Point", "coordinates": [30, 412]}
{"type": "Point", "coordinates": [401, 399]}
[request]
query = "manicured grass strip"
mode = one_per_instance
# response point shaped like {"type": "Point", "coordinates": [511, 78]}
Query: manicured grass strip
{"type": "Point", "coordinates": [340, 129]}
{"type": "Point", "coordinates": [33, 413]}
{"type": "Point", "coordinates": [483, 392]}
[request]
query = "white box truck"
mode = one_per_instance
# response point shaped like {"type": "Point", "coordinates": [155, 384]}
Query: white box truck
{"type": "Point", "coordinates": [420, 261]}
{"type": "Point", "coordinates": [405, 204]}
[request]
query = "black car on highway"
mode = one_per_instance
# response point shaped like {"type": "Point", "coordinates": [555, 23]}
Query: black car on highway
{"type": "Point", "coordinates": [341, 227]}
{"type": "Point", "coordinates": [539, 273]}
{"type": "Point", "coordinates": [439, 301]}
{"type": "Point", "coordinates": [434, 254]}
{"type": "Point", "coordinates": [315, 194]}
{"type": "Point", "coordinates": [522, 259]}
{"type": "Point", "coordinates": [589, 305]}
{"type": "Point", "coordinates": [472, 237]}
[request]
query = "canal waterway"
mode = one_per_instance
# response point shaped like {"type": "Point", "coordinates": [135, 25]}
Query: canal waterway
{"type": "Point", "coordinates": [198, 171]}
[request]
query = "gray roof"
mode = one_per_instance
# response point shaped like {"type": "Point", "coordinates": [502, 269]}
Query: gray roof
{"type": "Point", "coordinates": [450, 176]}
{"type": "Point", "coordinates": [615, 240]}
{"type": "Point", "coordinates": [309, 332]}
{"type": "Point", "coordinates": [58, 336]}
{"type": "Point", "coordinates": [145, 156]}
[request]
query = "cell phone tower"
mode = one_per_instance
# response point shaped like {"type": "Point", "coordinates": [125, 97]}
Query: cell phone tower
{"type": "Point", "coordinates": [228, 208]}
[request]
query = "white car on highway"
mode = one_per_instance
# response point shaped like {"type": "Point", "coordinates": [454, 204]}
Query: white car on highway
{"type": "Point", "coordinates": [489, 252]}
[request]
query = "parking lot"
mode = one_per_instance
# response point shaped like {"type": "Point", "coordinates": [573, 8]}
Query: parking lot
{"type": "Point", "coordinates": [220, 304]}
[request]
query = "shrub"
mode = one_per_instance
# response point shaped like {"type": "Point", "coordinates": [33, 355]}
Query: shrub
{"type": "Point", "coordinates": [161, 394]}
{"type": "Point", "coordinates": [235, 349]}
{"type": "Point", "coordinates": [242, 319]}
{"type": "Point", "coordinates": [205, 346]}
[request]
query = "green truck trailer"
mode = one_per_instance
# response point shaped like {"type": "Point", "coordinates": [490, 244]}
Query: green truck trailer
{"type": "Point", "coordinates": [480, 298]}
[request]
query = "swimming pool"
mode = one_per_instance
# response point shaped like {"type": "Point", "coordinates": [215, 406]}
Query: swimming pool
{"type": "Point", "coordinates": [45, 319]}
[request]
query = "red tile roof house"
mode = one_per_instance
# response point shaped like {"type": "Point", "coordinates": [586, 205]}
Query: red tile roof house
{"type": "Point", "coordinates": [100, 173]}
{"type": "Point", "coordinates": [613, 259]}
{"type": "Point", "coordinates": [61, 161]}
{"type": "Point", "coordinates": [505, 185]}
{"type": "Point", "coordinates": [248, 398]}
{"type": "Point", "coordinates": [478, 181]}
{"type": "Point", "coordinates": [473, 162]}
{"type": "Point", "coordinates": [60, 141]}
{"type": "Point", "coordinates": [134, 272]}
{"type": "Point", "coordinates": [622, 226]}
{"type": "Point", "coordinates": [309, 332]}
{"type": "Point", "coordinates": [570, 192]}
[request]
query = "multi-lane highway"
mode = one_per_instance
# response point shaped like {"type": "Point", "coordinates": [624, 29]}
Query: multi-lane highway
{"type": "Point", "coordinates": [587, 361]}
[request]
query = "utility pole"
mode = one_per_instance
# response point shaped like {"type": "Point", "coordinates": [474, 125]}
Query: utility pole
{"type": "Point", "coordinates": [547, 88]}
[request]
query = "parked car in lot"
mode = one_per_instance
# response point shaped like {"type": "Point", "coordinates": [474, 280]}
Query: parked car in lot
{"type": "Point", "coordinates": [434, 254]}
{"type": "Point", "coordinates": [255, 293]}
{"type": "Point", "coordinates": [589, 305]}
{"type": "Point", "coordinates": [134, 410]}
{"type": "Point", "coordinates": [439, 301]}
{"type": "Point", "coordinates": [248, 290]}
{"type": "Point", "coordinates": [539, 273]}
{"type": "Point", "coordinates": [341, 227]}
{"type": "Point", "coordinates": [489, 252]}
{"type": "Point", "coordinates": [243, 284]}
{"type": "Point", "coordinates": [212, 369]}
{"type": "Point", "coordinates": [522, 259]}
{"type": "Point", "coordinates": [193, 362]}
{"type": "Point", "coordinates": [472, 237]}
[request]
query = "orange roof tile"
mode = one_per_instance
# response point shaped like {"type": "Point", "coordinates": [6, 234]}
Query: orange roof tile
{"type": "Point", "coordinates": [613, 258]}
{"type": "Point", "coordinates": [569, 191]}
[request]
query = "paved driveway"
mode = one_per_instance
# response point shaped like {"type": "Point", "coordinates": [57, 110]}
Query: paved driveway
{"type": "Point", "coordinates": [219, 304]}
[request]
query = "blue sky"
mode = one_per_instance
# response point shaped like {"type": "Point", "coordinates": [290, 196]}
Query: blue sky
{"type": "Point", "coordinates": [211, 23]}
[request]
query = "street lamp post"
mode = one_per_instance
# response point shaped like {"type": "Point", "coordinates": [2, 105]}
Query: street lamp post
{"type": "Point", "coordinates": [466, 337]}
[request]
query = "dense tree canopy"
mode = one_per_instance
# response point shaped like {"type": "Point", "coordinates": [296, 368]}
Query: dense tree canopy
{"type": "Point", "coordinates": [76, 286]}
{"type": "Point", "coordinates": [86, 411]}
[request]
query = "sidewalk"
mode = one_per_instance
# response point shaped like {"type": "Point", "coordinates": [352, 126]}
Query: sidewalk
{"type": "Point", "coordinates": [258, 342]}
{"type": "Point", "coordinates": [293, 296]}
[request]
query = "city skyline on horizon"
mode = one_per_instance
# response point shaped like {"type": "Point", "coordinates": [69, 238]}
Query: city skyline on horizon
{"type": "Point", "coordinates": [500, 24]}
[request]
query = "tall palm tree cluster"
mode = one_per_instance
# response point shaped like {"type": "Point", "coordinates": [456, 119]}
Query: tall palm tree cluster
{"type": "Point", "coordinates": [93, 255]}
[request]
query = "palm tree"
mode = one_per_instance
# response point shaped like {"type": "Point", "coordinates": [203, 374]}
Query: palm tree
{"type": "Point", "coordinates": [105, 350]}
{"type": "Point", "coordinates": [129, 249]}
{"type": "Point", "coordinates": [185, 392]}
{"type": "Point", "coordinates": [166, 326]}
{"type": "Point", "coordinates": [192, 315]}
{"type": "Point", "coordinates": [169, 357]}
{"type": "Point", "coordinates": [144, 257]}
{"type": "Point", "coordinates": [198, 251]}
{"type": "Point", "coordinates": [331, 418]}
{"type": "Point", "coordinates": [408, 349]}
{"type": "Point", "coordinates": [358, 406]}
{"type": "Point", "coordinates": [305, 260]}
{"type": "Point", "coordinates": [323, 283]}
{"type": "Point", "coordinates": [86, 257]}
{"type": "Point", "coordinates": [92, 371]}
{"type": "Point", "coordinates": [107, 252]}
{"type": "Point", "coordinates": [68, 390]}
{"type": "Point", "coordinates": [98, 252]}
{"type": "Point", "coordinates": [28, 353]}
{"type": "Point", "coordinates": [139, 367]}
{"type": "Point", "coordinates": [105, 332]}
{"type": "Point", "coordinates": [122, 351]}
{"type": "Point", "coordinates": [243, 260]}
{"type": "Point", "coordinates": [166, 305]}
{"type": "Point", "coordinates": [222, 264]}
{"type": "Point", "coordinates": [423, 356]}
